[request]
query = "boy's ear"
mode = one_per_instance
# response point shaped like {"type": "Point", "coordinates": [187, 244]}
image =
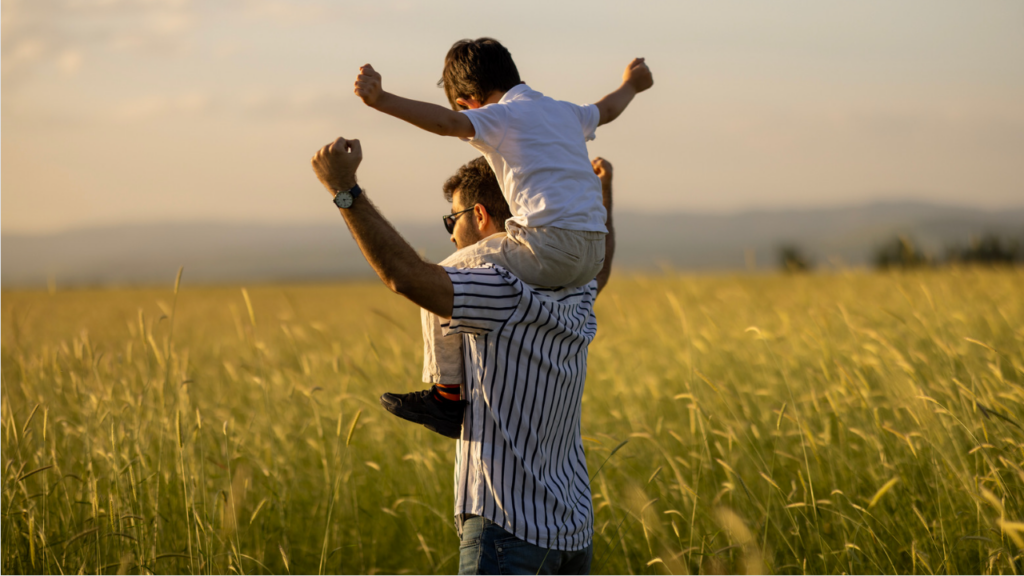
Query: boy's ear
{"type": "Point", "coordinates": [468, 103]}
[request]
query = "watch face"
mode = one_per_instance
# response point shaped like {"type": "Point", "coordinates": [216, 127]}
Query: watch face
{"type": "Point", "coordinates": [343, 199]}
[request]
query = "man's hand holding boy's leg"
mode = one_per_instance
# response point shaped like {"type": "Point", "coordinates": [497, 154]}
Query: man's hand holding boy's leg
{"type": "Point", "coordinates": [603, 169]}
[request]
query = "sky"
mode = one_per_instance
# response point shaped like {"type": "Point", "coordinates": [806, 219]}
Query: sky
{"type": "Point", "coordinates": [144, 111]}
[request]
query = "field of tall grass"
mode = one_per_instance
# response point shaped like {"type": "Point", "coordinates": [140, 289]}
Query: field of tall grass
{"type": "Point", "coordinates": [843, 423]}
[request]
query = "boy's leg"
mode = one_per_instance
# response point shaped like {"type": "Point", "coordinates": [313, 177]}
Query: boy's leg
{"type": "Point", "coordinates": [593, 258]}
{"type": "Point", "coordinates": [542, 257]}
{"type": "Point", "coordinates": [552, 257]}
{"type": "Point", "coordinates": [442, 358]}
{"type": "Point", "coordinates": [538, 256]}
{"type": "Point", "coordinates": [441, 408]}
{"type": "Point", "coordinates": [442, 355]}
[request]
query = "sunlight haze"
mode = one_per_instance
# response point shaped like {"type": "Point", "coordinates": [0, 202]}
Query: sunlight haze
{"type": "Point", "coordinates": [176, 110]}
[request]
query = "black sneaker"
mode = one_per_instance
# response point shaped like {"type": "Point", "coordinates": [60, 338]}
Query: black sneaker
{"type": "Point", "coordinates": [423, 407]}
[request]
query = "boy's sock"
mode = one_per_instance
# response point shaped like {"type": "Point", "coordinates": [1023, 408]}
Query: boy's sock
{"type": "Point", "coordinates": [448, 392]}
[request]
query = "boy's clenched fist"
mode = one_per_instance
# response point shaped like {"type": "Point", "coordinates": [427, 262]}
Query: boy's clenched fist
{"type": "Point", "coordinates": [638, 75]}
{"type": "Point", "coordinates": [367, 85]}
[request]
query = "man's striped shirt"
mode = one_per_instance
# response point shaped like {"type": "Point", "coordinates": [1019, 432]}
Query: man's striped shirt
{"type": "Point", "coordinates": [520, 461]}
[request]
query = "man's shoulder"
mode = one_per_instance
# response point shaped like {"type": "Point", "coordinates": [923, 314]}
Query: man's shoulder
{"type": "Point", "coordinates": [578, 294]}
{"type": "Point", "coordinates": [488, 298]}
{"type": "Point", "coordinates": [496, 275]}
{"type": "Point", "coordinates": [484, 275]}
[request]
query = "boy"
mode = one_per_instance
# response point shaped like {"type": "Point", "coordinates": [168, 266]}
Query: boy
{"type": "Point", "coordinates": [537, 149]}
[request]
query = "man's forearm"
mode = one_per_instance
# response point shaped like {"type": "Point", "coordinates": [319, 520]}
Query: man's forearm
{"type": "Point", "coordinates": [609, 239]}
{"type": "Point", "coordinates": [394, 260]}
{"type": "Point", "coordinates": [430, 117]}
{"type": "Point", "coordinates": [609, 253]}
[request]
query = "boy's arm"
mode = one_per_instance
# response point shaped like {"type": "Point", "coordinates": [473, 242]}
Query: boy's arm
{"type": "Point", "coordinates": [430, 117]}
{"type": "Point", "coordinates": [635, 80]}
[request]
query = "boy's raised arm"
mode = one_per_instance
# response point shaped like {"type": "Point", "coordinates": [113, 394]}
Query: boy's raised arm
{"type": "Point", "coordinates": [430, 117]}
{"type": "Point", "coordinates": [635, 80]}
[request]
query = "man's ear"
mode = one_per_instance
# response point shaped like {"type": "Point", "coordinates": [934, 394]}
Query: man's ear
{"type": "Point", "coordinates": [481, 217]}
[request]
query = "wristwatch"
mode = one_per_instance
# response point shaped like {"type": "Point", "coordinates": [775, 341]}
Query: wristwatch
{"type": "Point", "coordinates": [345, 198]}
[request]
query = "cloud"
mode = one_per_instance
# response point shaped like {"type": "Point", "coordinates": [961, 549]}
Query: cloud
{"type": "Point", "coordinates": [189, 104]}
{"type": "Point", "coordinates": [18, 58]}
{"type": "Point", "coordinates": [285, 12]}
{"type": "Point", "coordinates": [70, 61]}
{"type": "Point", "coordinates": [61, 34]}
{"type": "Point", "coordinates": [254, 104]}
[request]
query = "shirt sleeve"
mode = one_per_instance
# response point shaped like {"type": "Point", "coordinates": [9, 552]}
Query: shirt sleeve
{"type": "Point", "coordinates": [489, 124]}
{"type": "Point", "coordinates": [589, 117]}
{"type": "Point", "coordinates": [485, 298]}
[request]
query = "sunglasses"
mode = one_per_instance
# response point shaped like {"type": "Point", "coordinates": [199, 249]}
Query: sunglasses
{"type": "Point", "coordinates": [449, 219]}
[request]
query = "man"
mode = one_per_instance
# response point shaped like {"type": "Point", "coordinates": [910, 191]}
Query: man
{"type": "Point", "coordinates": [523, 501]}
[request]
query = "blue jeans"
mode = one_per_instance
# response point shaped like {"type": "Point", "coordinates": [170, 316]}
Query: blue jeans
{"type": "Point", "coordinates": [486, 548]}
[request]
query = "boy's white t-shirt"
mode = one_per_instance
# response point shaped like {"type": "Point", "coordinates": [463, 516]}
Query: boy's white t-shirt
{"type": "Point", "coordinates": [537, 148]}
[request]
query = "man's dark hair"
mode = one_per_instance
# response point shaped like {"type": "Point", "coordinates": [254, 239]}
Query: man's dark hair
{"type": "Point", "coordinates": [477, 184]}
{"type": "Point", "coordinates": [475, 68]}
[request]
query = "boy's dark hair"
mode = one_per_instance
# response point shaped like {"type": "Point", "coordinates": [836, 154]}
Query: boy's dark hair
{"type": "Point", "coordinates": [477, 184]}
{"type": "Point", "coordinates": [475, 68]}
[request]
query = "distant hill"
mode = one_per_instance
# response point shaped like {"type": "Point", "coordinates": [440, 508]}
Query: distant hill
{"type": "Point", "coordinates": [230, 253]}
{"type": "Point", "coordinates": [839, 236]}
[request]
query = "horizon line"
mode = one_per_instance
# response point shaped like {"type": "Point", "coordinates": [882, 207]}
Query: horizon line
{"type": "Point", "coordinates": [636, 211]}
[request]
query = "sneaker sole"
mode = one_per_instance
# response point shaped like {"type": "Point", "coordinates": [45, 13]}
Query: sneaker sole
{"type": "Point", "coordinates": [433, 424]}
